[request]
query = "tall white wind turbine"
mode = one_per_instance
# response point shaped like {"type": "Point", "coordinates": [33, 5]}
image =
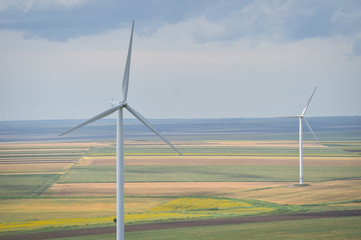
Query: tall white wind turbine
{"type": "Point", "coordinates": [120, 140]}
{"type": "Point", "coordinates": [302, 117]}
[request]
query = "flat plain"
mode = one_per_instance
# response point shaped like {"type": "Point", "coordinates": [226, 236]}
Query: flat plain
{"type": "Point", "coordinates": [71, 184]}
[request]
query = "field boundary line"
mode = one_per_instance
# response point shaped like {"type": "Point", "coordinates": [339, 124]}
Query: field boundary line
{"type": "Point", "coordinates": [74, 164]}
{"type": "Point", "coordinates": [67, 171]}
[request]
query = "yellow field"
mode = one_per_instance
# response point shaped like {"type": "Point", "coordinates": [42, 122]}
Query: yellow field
{"type": "Point", "coordinates": [187, 204]}
{"type": "Point", "coordinates": [43, 209]}
{"type": "Point", "coordinates": [137, 210]}
{"type": "Point", "coordinates": [38, 224]}
{"type": "Point", "coordinates": [61, 208]}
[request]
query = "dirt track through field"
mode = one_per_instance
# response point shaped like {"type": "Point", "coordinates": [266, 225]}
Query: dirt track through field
{"type": "Point", "coordinates": [184, 224]}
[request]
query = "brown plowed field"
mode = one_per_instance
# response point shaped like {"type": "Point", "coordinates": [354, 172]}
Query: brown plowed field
{"type": "Point", "coordinates": [81, 189]}
{"type": "Point", "coordinates": [38, 167]}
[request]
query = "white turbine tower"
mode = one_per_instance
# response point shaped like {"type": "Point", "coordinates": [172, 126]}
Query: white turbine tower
{"type": "Point", "coordinates": [302, 117]}
{"type": "Point", "coordinates": [120, 140]}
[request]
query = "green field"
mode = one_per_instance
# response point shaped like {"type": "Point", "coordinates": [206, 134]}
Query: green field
{"type": "Point", "coordinates": [27, 185]}
{"type": "Point", "coordinates": [91, 174]}
{"type": "Point", "coordinates": [215, 173]}
{"type": "Point", "coordinates": [321, 229]}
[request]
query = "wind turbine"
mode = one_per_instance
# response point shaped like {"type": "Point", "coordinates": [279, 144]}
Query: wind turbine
{"type": "Point", "coordinates": [118, 106]}
{"type": "Point", "coordinates": [302, 117]}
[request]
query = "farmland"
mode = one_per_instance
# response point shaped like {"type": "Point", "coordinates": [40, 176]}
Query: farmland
{"type": "Point", "coordinates": [71, 184]}
{"type": "Point", "coordinates": [344, 228]}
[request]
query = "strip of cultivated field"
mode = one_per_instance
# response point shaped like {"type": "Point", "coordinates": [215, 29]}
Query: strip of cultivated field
{"type": "Point", "coordinates": [157, 189]}
{"type": "Point", "coordinates": [209, 173]}
{"type": "Point", "coordinates": [279, 192]}
{"type": "Point", "coordinates": [315, 193]}
{"type": "Point", "coordinates": [221, 160]}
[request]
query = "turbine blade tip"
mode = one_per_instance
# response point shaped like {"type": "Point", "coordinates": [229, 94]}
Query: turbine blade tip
{"type": "Point", "coordinates": [62, 134]}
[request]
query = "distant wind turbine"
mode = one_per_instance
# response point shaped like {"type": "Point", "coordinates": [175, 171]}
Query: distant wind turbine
{"type": "Point", "coordinates": [302, 117]}
{"type": "Point", "coordinates": [118, 106]}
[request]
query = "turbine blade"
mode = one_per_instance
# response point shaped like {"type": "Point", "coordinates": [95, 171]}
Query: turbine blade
{"type": "Point", "coordinates": [99, 116]}
{"type": "Point", "coordinates": [309, 127]}
{"type": "Point", "coordinates": [146, 123]}
{"type": "Point", "coordinates": [308, 103]}
{"type": "Point", "coordinates": [127, 67]}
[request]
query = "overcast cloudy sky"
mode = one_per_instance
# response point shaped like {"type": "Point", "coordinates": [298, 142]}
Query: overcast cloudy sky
{"type": "Point", "coordinates": [63, 59]}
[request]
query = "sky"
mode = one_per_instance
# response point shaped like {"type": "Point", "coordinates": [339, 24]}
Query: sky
{"type": "Point", "coordinates": [64, 59]}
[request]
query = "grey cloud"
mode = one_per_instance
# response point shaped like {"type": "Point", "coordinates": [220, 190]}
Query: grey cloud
{"type": "Point", "coordinates": [232, 19]}
{"type": "Point", "coordinates": [285, 20]}
{"type": "Point", "coordinates": [62, 22]}
{"type": "Point", "coordinates": [357, 47]}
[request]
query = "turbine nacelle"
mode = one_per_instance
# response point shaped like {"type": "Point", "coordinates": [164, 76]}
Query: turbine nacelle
{"type": "Point", "coordinates": [114, 103]}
